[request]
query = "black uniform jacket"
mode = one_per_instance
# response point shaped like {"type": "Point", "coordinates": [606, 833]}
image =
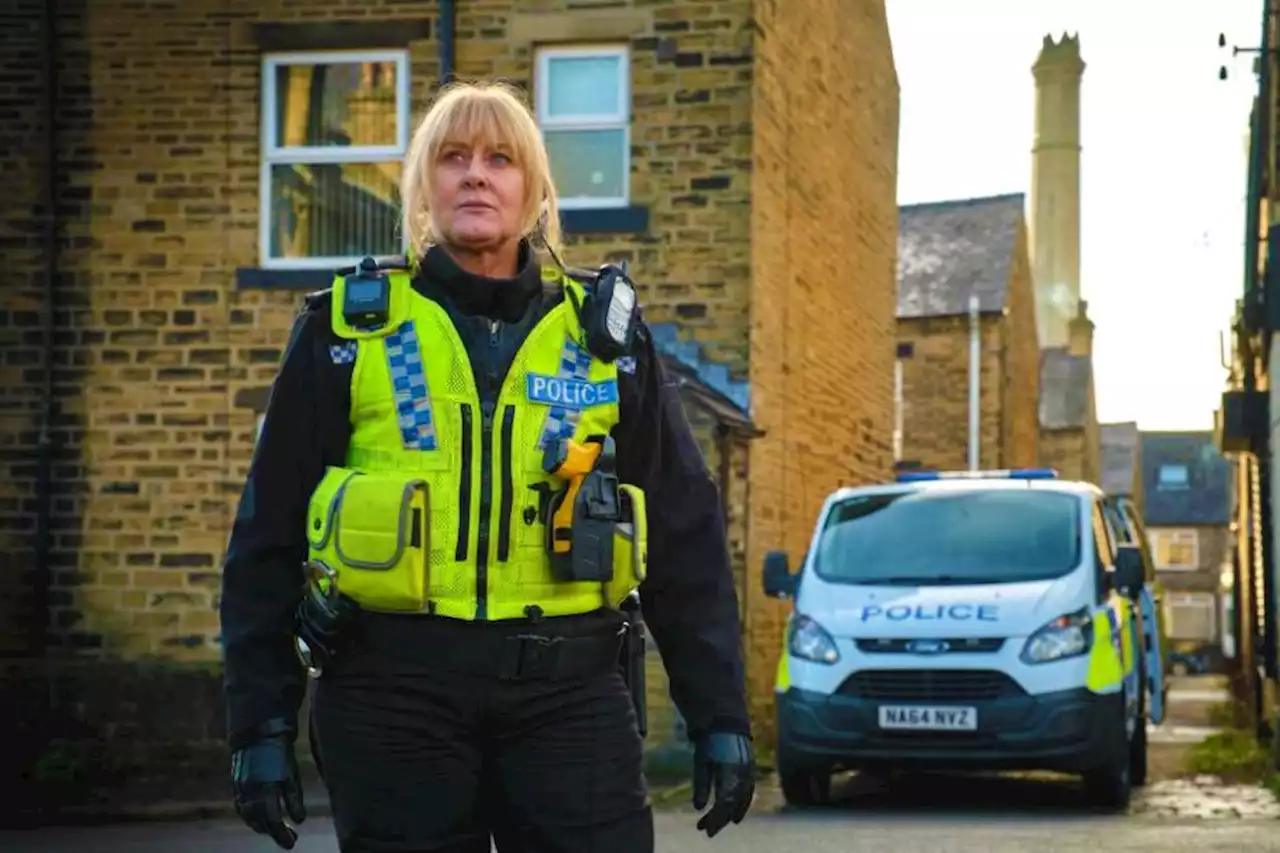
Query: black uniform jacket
{"type": "Point", "coordinates": [688, 599]}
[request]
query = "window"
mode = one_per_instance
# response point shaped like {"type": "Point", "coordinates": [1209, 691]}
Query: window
{"type": "Point", "coordinates": [1175, 550]}
{"type": "Point", "coordinates": [583, 97]}
{"type": "Point", "coordinates": [1174, 477]}
{"type": "Point", "coordinates": [979, 536]}
{"type": "Point", "coordinates": [1191, 615]}
{"type": "Point", "coordinates": [335, 126]}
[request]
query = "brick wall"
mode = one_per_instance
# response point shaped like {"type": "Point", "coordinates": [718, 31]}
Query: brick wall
{"type": "Point", "coordinates": [1021, 433]}
{"type": "Point", "coordinates": [935, 392]}
{"type": "Point", "coordinates": [22, 138]}
{"type": "Point", "coordinates": [1063, 450]}
{"type": "Point", "coordinates": [824, 232]}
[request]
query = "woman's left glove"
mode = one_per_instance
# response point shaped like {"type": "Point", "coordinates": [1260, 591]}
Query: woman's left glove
{"type": "Point", "coordinates": [267, 784]}
{"type": "Point", "coordinates": [726, 762]}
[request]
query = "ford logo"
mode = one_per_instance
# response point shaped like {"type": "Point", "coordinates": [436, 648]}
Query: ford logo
{"type": "Point", "coordinates": [928, 647]}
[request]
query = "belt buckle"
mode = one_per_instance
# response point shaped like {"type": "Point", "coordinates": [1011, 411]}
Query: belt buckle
{"type": "Point", "coordinates": [530, 656]}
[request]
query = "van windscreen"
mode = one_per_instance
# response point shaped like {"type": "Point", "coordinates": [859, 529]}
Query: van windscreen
{"type": "Point", "coordinates": [951, 537]}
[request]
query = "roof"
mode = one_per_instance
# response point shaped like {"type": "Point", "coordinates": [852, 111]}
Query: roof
{"type": "Point", "coordinates": [728, 399]}
{"type": "Point", "coordinates": [1065, 381]}
{"type": "Point", "coordinates": [1120, 443]}
{"type": "Point", "coordinates": [950, 250]}
{"type": "Point", "coordinates": [1205, 499]}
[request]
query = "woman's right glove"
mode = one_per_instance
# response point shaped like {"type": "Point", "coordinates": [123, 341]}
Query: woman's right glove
{"type": "Point", "coordinates": [267, 785]}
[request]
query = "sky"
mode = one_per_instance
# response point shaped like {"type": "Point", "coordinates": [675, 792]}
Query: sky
{"type": "Point", "coordinates": [1163, 165]}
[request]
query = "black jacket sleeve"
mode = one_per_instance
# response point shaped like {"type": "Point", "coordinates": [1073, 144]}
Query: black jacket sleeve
{"type": "Point", "coordinates": [688, 599]}
{"type": "Point", "coordinates": [306, 428]}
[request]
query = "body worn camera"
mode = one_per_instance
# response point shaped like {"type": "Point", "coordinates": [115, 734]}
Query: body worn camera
{"type": "Point", "coordinates": [366, 296]}
{"type": "Point", "coordinates": [610, 313]}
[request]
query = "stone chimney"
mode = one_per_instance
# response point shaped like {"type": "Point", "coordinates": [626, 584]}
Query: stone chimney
{"type": "Point", "coordinates": [1054, 223]}
{"type": "Point", "coordinates": [1080, 332]}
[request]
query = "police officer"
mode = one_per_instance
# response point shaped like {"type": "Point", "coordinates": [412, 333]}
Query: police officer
{"type": "Point", "coordinates": [471, 457]}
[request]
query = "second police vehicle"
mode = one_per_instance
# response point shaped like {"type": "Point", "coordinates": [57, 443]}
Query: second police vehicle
{"type": "Point", "coordinates": [968, 621]}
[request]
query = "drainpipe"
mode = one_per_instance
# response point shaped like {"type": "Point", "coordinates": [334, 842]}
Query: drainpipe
{"type": "Point", "coordinates": [447, 39]}
{"type": "Point", "coordinates": [975, 351]}
{"type": "Point", "coordinates": [44, 443]}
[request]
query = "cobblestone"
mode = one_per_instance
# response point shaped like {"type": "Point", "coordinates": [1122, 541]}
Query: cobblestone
{"type": "Point", "coordinates": [1205, 797]}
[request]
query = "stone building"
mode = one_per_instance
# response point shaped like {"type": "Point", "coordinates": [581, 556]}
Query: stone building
{"type": "Point", "coordinates": [193, 168]}
{"type": "Point", "coordinates": [950, 253]}
{"type": "Point", "coordinates": [1190, 501]}
{"type": "Point", "coordinates": [1070, 440]}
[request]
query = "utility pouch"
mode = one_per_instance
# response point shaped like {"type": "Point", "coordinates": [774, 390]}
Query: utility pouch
{"type": "Point", "coordinates": [630, 546]}
{"type": "Point", "coordinates": [373, 530]}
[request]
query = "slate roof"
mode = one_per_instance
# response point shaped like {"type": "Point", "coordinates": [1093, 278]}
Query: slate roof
{"type": "Point", "coordinates": [1064, 388]}
{"type": "Point", "coordinates": [1206, 500]}
{"type": "Point", "coordinates": [950, 249]}
{"type": "Point", "coordinates": [1120, 443]}
{"type": "Point", "coordinates": [687, 359]}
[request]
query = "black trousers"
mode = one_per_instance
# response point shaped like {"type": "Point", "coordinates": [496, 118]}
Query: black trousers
{"type": "Point", "coordinates": [438, 735]}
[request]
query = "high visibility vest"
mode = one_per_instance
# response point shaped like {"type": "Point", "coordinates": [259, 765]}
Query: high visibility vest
{"type": "Point", "coordinates": [440, 505]}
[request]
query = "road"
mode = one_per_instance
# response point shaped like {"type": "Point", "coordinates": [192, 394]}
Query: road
{"type": "Point", "coordinates": [914, 815]}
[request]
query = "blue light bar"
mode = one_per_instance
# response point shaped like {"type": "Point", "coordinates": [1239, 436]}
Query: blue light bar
{"type": "Point", "coordinates": [1002, 474]}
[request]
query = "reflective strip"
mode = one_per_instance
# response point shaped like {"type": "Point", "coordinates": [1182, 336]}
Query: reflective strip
{"type": "Point", "coordinates": [575, 363]}
{"type": "Point", "coordinates": [409, 387]}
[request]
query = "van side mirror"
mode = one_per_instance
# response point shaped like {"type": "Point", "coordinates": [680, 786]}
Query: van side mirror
{"type": "Point", "coordinates": [778, 580]}
{"type": "Point", "coordinates": [1129, 575]}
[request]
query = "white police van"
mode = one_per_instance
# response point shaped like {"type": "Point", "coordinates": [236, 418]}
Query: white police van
{"type": "Point", "coordinates": [967, 621]}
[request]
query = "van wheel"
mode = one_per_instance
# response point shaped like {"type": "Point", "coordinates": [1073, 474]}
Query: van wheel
{"type": "Point", "coordinates": [1138, 755]}
{"type": "Point", "coordinates": [1138, 747]}
{"type": "Point", "coordinates": [805, 787]}
{"type": "Point", "coordinates": [1110, 785]}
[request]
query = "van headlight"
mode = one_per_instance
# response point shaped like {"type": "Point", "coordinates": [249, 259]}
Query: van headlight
{"type": "Point", "coordinates": [809, 640]}
{"type": "Point", "coordinates": [1065, 637]}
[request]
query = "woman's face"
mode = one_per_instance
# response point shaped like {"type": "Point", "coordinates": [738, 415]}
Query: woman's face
{"type": "Point", "coordinates": [478, 197]}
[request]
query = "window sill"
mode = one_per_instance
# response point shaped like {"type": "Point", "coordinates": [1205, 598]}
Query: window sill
{"type": "Point", "coordinates": [605, 220]}
{"type": "Point", "coordinates": [256, 278]}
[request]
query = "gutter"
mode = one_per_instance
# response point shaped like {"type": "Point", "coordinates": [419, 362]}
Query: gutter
{"type": "Point", "coordinates": [446, 37]}
{"type": "Point", "coordinates": [44, 442]}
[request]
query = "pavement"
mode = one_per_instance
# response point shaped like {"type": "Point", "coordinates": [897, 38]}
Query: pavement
{"type": "Point", "coordinates": [913, 814]}
{"type": "Point", "coordinates": [918, 813]}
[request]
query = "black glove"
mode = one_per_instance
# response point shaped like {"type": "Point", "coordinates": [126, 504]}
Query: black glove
{"type": "Point", "coordinates": [727, 760]}
{"type": "Point", "coordinates": [267, 784]}
{"type": "Point", "coordinates": [324, 624]}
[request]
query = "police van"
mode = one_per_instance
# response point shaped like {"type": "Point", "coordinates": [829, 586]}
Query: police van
{"type": "Point", "coordinates": [966, 621]}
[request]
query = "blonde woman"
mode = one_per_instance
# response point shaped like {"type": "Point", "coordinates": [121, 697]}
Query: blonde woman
{"type": "Point", "coordinates": [427, 431]}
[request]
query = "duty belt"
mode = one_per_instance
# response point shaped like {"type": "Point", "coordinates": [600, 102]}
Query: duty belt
{"type": "Point", "coordinates": [522, 656]}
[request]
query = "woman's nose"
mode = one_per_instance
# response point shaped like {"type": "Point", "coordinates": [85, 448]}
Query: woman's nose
{"type": "Point", "coordinates": [477, 170]}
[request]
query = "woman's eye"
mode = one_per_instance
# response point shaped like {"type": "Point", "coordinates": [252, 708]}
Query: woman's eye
{"type": "Point", "coordinates": [502, 159]}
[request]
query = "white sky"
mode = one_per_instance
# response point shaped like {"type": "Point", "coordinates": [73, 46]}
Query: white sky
{"type": "Point", "coordinates": [1163, 164]}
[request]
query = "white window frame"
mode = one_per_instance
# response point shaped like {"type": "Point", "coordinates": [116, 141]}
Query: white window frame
{"type": "Point", "coordinates": [275, 155]}
{"type": "Point", "coordinates": [1174, 535]}
{"type": "Point", "coordinates": [605, 121]}
{"type": "Point", "coordinates": [1205, 601]}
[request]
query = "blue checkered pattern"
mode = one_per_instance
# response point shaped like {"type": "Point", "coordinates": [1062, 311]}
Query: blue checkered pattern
{"type": "Point", "coordinates": [575, 363]}
{"type": "Point", "coordinates": [409, 386]}
{"type": "Point", "coordinates": [343, 353]}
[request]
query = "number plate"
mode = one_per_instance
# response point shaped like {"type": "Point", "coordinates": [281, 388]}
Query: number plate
{"type": "Point", "coordinates": [928, 718]}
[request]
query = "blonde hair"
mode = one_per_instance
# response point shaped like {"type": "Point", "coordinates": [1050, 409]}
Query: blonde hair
{"type": "Point", "coordinates": [479, 113]}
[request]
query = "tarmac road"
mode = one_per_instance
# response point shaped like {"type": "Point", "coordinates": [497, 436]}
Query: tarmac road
{"type": "Point", "coordinates": [912, 815]}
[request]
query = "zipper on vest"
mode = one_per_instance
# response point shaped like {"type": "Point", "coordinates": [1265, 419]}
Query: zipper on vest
{"type": "Point", "coordinates": [486, 501]}
{"type": "Point", "coordinates": [508, 496]}
{"type": "Point", "coordinates": [486, 493]}
{"type": "Point", "coordinates": [464, 487]}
